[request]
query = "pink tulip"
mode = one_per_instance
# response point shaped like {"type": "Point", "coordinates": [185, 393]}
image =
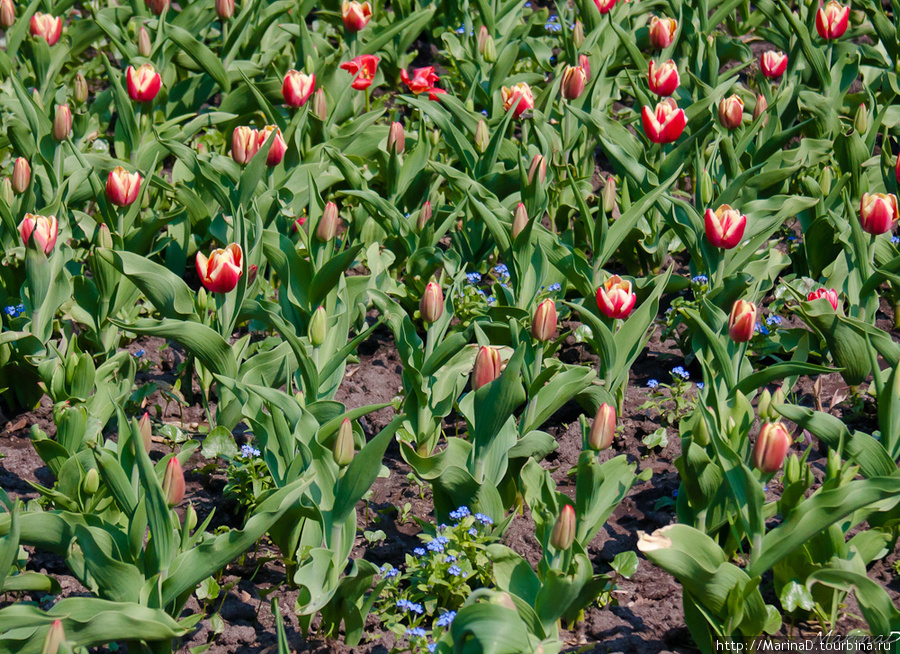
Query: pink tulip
{"type": "Point", "coordinates": [297, 88]}
{"type": "Point", "coordinates": [122, 187]}
{"type": "Point", "coordinates": [773, 63]}
{"type": "Point", "coordinates": [487, 366]}
{"type": "Point", "coordinates": [46, 27]}
{"type": "Point", "coordinates": [244, 144]}
{"type": "Point", "coordinates": [878, 212]}
{"type": "Point", "coordinates": [44, 230]}
{"type": "Point", "coordinates": [356, 15]}
{"type": "Point", "coordinates": [662, 32]}
{"type": "Point", "coordinates": [731, 112]}
{"type": "Point", "coordinates": [615, 298]}
{"type": "Point", "coordinates": [605, 6]}
{"type": "Point", "coordinates": [828, 293]}
{"type": "Point", "coordinates": [543, 327]}
{"type": "Point", "coordinates": [279, 147]}
{"type": "Point", "coordinates": [517, 99]}
{"type": "Point", "coordinates": [771, 448]}
{"type": "Point", "coordinates": [574, 79]}
{"type": "Point", "coordinates": [724, 226]}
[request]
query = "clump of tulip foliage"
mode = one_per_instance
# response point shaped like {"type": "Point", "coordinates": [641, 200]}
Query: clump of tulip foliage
{"type": "Point", "coordinates": [521, 200]}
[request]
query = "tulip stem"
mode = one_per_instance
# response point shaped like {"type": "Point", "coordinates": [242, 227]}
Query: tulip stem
{"type": "Point", "coordinates": [536, 371]}
{"type": "Point", "coordinates": [367, 99]}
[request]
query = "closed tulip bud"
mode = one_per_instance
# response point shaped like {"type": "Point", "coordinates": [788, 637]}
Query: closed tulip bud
{"type": "Point", "coordinates": [662, 32]}
{"type": "Point", "coordinates": [318, 325]}
{"type": "Point", "coordinates": [7, 14]}
{"type": "Point", "coordinates": [327, 227]}
{"type": "Point", "coordinates": [80, 92]}
{"type": "Point", "coordinates": [344, 447]}
{"type": "Point", "coordinates": [278, 147]}
{"type": "Point", "coordinates": [297, 87]}
{"type": "Point", "coordinates": [221, 271]}
{"type": "Point", "coordinates": [190, 518]}
{"type": "Point", "coordinates": [487, 366]}
{"type": "Point", "coordinates": [724, 226]}
{"type": "Point", "coordinates": [36, 96]}
{"type": "Point", "coordinates": [615, 298]}
{"type": "Point", "coordinates": [490, 50]}
{"type": "Point", "coordinates": [861, 122]}
{"type": "Point", "coordinates": [146, 431]}
{"type": "Point", "coordinates": [224, 9]}
{"type": "Point", "coordinates": [122, 187]}
{"type": "Point", "coordinates": [663, 78]}
{"type": "Point", "coordinates": [6, 191]}
{"type": "Point", "coordinates": [251, 274]}
{"type": "Point", "coordinates": [173, 483]}
{"type": "Point", "coordinates": [145, 47]}
{"type": "Point", "coordinates": [765, 399]}
{"type": "Point", "coordinates": [143, 83]}
{"type": "Point", "coordinates": [832, 19]}
{"type": "Point", "coordinates": [55, 638]}
{"type": "Point", "coordinates": [826, 180]}
{"type": "Point", "coordinates": [706, 187]}
{"type": "Point", "coordinates": [665, 123]}
{"type": "Point", "coordinates": [482, 137]}
{"type": "Point", "coordinates": [517, 99]}
{"type": "Point", "coordinates": [773, 63]}
{"type": "Point", "coordinates": [731, 112]}
{"type": "Point", "coordinates": [791, 470]}
{"type": "Point", "coordinates": [91, 482]}
{"type": "Point", "coordinates": [828, 293]}
{"type": "Point", "coordinates": [700, 434]}
{"type": "Point", "coordinates": [520, 220]}
{"type": "Point", "coordinates": [777, 398]}
{"type": "Point", "coordinates": [585, 64]}
{"type": "Point", "coordinates": [574, 80]}
{"type": "Point", "coordinates": [431, 307]}
{"type": "Point", "coordinates": [878, 212]}
{"type": "Point", "coordinates": [483, 36]}
{"type": "Point", "coordinates": [742, 321]}
{"type": "Point", "coordinates": [539, 166]}
{"type": "Point", "coordinates": [578, 34]}
{"type": "Point", "coordinates": [604, 428]}
{"type": "Point", "coordinates": [156, 6]}
{"type": "Point", "coordinates": [244, 144]}
{"type": "Point", "coordinates": [543, 327]}
{"type": "Point", "coordinates": [21, 175]}
{"type": "Point", "coordinates": [356, 16]}
{"type": "Point", "coordinates": [609, 194]}
{"type": "Point", "coordinates": [760, 108]}
{"type": "Point", "coordinates": [396, 139]}
{"type": "Point", "coordinates": [424, 216]}
{"type": "Point", "coordinates": [771, 448]}
{"type": "Point", "coordinates": [47, 27]}
{"type": "Point", "coordinates": [563, 534]}
{"type": "Point", "coordinates": [62, 122]}
{"type": "Point", "coordinates": [43, 229]}
{"type": "Point", "coordinates": [320, 105]}
{"type": "Point", "coordinates": [435, 137]}
{"type": "Point", "coordinates": [833, 464]}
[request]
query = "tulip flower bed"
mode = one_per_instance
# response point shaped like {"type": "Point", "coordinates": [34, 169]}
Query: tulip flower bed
{"type": "Point", "coordinates": [443, 327]}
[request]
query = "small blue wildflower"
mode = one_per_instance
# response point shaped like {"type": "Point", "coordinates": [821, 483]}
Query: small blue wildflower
{"type": "Point", "coordinates": [773, 320]}
{"type": "Point", "coordinates": [435, 546]}
{"type": "Point", "coordinates": [402, 604]}
{"type": "Point", "coordinates": [449, 559]}
{"type": "Point", "coordinates": [461, 29]}
{"type": "Point", "coordinates": [443, 540]}
{"type": "Point", "coordinates": [491, 299]}
{"type": "Point", "coordinates": [675, 493]}
{"type": "Point", "coordinates": [554, 287]}
{"type": "Point", "coordinates": [249, 452]}
{"type": "Point", "coordinates": [415, 607]}
{"type": "Point", "coordinates": [792, 238]}
{"type": "Point", "coordinates": [454, 570]}
{"type": "Point", "coordinates": [446, 619]}
{"type": "Point", "coordinates": [415, 632]}
{"type": "Point", "coordinates": [895, 240]}
{"type": "Point", "coordinates": [553, 19]}
{"type": "Point", "coordinates": [483, 519]}
{"type": "Point", "coordinates": [460, 513]}
{"type": "Point", "coordinates": [484, 113]}
{"type": "Point", "coordinates": [700, 279]}
{"type": "Point", "coordinates": [679, 371]}
{"type": "Point", "coordinates": [501, 270]}
{"type": "Point", "coordinates": [481, 292]}
{"type": "Point", "coordinates": [652, 383]}
{"type": "Point", "coordinates": [419, 551]}
{"type": "Point", "coordinates": [388, 573]}
{"type": "Point", "coordinates": [432, 647]}
{"type": "Point", "coordinates": [473, 531]}
{"type": "Point", "coordinates": [766, 489]}
{"type": "Point", "coordinates": [20, 308]}
{"type": "Point", "coordinates": [139, 354]}
{"type": "Point", "coordinates": [700, 385]}
{"type": "Point", "coordinates": [762, 329]}
{"type": "Point", "coordinates": [528, 5]}
{"type": "Point", "coordinates": [10, 311]}
{"type": "Point", "coordinates": [504, 285]}
{"type": "Point", "coordinates": [473, 277]}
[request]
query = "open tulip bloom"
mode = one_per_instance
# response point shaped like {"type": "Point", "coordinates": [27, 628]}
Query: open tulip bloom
{"type": "Point", "coordinates": [297, 88]}
{"type": "Point", "coordinates": [122, 187]}
{"type": "Point", "coordinates": [221, 271]}
{"type": "Point", "coordinates": [664, 124]}
{"type": "Point", "coordinates": [615, 298]}
{"type": "Point", "coordinates": [46, 27]}
{"type": "Point", "coordinates": [143, 83]}
{"type": "Point", "coordinates": [422, 81]}
{"type": "Point", "coordinates": [363, 69]}
{"type": "Point", "coordinates": [832, 19]}
{"type": "Point", "coordinates": [42, 229]}
{"type": "Point", "coordinates": [517, 99]}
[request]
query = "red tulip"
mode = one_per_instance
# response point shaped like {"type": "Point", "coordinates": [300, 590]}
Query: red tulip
{"type": "Point", "coordinates": [432, 305]}
{"type": "Point", "coordinates": [279, 147]}
{"type": "Point", "coordinates": [771, 447]}
{"type": "Point", "coordinates": [173, 482]}
{"type": "Point", "coordinates": [21, 175]}
{"type": "Point", "coordinates": [605, 6]}
{"type": "Point", "coordinates": [742, 321]}
{"type": "Point", "coordinates": [665, 124]}
{"type": "Point", "coordinates": [563, 534]}
{"type": "Point", "coordinates": [244, 144]}
{"type": "Point", "coordinates": [878, 212]}
{"type": "Point", "coordinates": [828, 293]}
{"type": "Point", "coordinates": [356, 16]}
{"type": "Point", "coordinates": [663, 78]}
{"type": "Point", "coordinates": [574, 79]}
{"type": "Point", "coordinates": [143, 83]}
{"type": "Point", "coordinates": [731, 112]}
{"type": "Point", "coordinates": [363, 69]}
{"type": "Point", "coordinates": [773, 63]}
{"type": "Point", "coordinates": [487, 367]}
{"type": "Point", "coordinates": [222, 270]}
{"type": "Point", "coordinates": [831, 20]}
{"type": "Point", "coordinates": [156, 6]}
{"type": "Point", "coordinates": [297, 88]}
{"type": "Point", "coordinates": [604, 428]}
{"type": "Point", "coordinates": [46, 27]}
{"type": "Point", "coordinates": [422, 81]}
{"type": "Point", "coordinates": [519, 99]}
{"type": "Point", "coordinates": [724, 226]}
{"type": "Point", "coordinates": [543, 327]}
{"type": "Point", "coordinates": [122, 187]}
{"type": "Point", "coordinates": [44, 230]}
{"type": "Point", "coordinates": [662, 32]}
{"type": "Point", "coordinates": [615, 298]}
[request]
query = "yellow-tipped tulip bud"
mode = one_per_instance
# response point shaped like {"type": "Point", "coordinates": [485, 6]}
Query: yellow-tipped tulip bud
{"type": "Point", "coordinates": [62, 122]}
{"type": "Point", "coordinates": [609, 194]}
{"type": "Point", "coordinates": [424, 216]}
{"type": "Point", "coordinates": [578, 34]}
{"type": "Point", "coordinates": [320, 105]}
{"type": "Point", "coordinates": [742, 321]}
{"type": "Point", "coordinates": [861, 122]}
{"type": "Point", "coordinates": [538, 167]}
{"type": "Point", "coordinates": [396, 139]}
